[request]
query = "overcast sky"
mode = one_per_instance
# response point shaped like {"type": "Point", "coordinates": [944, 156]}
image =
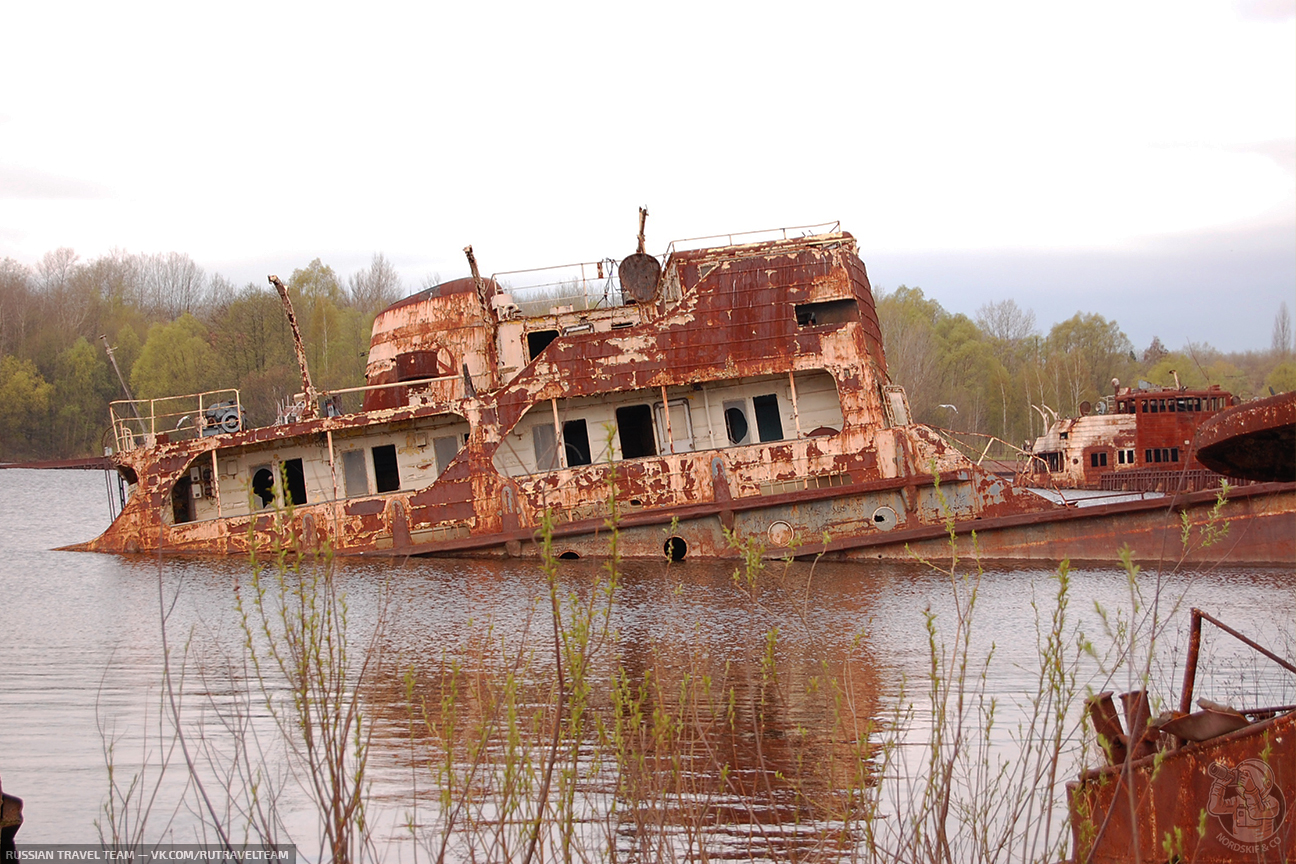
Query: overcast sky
{"type": "Point", "coordinates": [1137, 160]}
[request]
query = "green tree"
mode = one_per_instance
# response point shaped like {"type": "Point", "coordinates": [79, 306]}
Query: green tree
{"type": "Point", "coordinates": [1283, 377]}
{"type": "Point", "coordinates": [176, 359]}
{"type": "Point", "coordinates": [82, 389]}
{"type": "Point", "coordinates": [24, 409]}
{"type": "Point", "coordinates": [1085, 352]}
{"type": "Point", "coordinates": [335, 335]}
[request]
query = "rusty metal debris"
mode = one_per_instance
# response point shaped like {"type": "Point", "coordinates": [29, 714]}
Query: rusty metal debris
{"type": "Point", "coordinates": [744, 398]}
{"type": "Point", "coordinates": [1213, 785]}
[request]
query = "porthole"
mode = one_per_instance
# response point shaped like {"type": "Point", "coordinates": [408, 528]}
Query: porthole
{"type": "Point", "coordinates": [884, 519]}
{"type": "Point", "coordinates": [675, 549]}
{"type": "Point", "coordinates": [780, 533]}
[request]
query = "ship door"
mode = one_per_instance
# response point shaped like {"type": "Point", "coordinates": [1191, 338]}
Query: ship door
{"type": "Point", "coordinates": [680, 439]}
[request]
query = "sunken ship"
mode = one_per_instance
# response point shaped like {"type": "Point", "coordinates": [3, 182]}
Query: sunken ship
{"type": "Point", "coordinates": [729, 394]}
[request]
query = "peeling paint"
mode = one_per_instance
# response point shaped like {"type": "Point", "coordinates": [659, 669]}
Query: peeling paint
{"type": "Point", "coordinates": [771, 354]}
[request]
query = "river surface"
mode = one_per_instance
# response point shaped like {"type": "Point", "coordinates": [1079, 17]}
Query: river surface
{"type": "Point", "coordinates": [82, 668]}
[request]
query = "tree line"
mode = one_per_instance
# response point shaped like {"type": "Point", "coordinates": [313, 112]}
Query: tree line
{"type": "Point", "coordinates": [997, 374]}
{"type": "Point", "coordinates": [175, 329]}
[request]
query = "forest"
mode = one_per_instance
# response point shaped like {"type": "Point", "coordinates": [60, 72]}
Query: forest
{"type": "Point", "coordinates": [175, 329]}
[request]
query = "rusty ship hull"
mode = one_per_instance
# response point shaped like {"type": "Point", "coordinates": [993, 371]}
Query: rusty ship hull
{"type": "Point", "coordinates": [740, 398]}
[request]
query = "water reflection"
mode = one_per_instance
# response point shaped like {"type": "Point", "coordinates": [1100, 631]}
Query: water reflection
{"type": "Point", "coordinates": [741, 705]}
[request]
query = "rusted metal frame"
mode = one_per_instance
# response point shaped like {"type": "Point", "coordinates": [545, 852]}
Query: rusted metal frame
{"type": "Point", "coordinates": [834, 232]}
{"type": "Point", "coordinates": [1259, 729]}
{"type": "Point", "coordinates": [670, 436]}
{"type": "Point", "coordinates": [560, 446]}
{"type": "Point", "coordinates": [311, 409]}
{"type": "Point", "coordinates": [706, 404]}
{"type": "Point", "coordinates": [216, 483]}
{"type": "Point", "coordinates": [1034, 517]}
{"type": "Point", "coordinates": [796, 412]}
{"type": "Point", "coordinates": [1194, 648]}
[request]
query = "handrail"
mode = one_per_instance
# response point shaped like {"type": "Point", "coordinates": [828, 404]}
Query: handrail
{"type": "Point", "coordinates": [145, 416]}
{"type": "Point", "coordinates": [1194, 648]}
{"type": "Point", "coordinates": [832, 228]}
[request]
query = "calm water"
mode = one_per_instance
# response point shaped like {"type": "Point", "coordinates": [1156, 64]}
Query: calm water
{"type": "Point", "coordinates": [82, 656]}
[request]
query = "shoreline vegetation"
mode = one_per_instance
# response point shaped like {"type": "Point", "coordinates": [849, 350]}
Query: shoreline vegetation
{"type": "Point", "coordinates": [542, 741]}
{"type": "Point", "coordinates": [176, 329]}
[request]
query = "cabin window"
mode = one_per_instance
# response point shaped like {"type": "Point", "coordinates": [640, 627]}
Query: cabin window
{"type": "Point", "coordinates": [635, 432]}
{"type": "Point", "coordinates": [576, 446]}
{"type": "Point", "coordinates": [386, 474]}
{"type": "Point", "coordinates": [355, 474]}
{"type": "Point", "coordinates": [538, 340]}
{"type": "Point", "coordinates": [1129, 457]}
{"type": "Point", "coordinates": [262, 487]}
{"type": "Point", "coordinates": [294, 481]}
{"type": "Point", "coordinates": [1143, 402]}
{"type": "Point", "coordinates": [1098, 460]}
{"type": "Point", "coordinates": [735, 417]}
{"type": "Point", "coordinates": [546, 447]}
{"type": "Point", "coordinates": [446, 449]}
{"type": "Point", "coordinates": [1171, 406]}
{"type": "Point", "coordinates": [768, 424]}
{"type": "Point", "coordinates": [1120, 457]}
{"type": "Point", "coordinates": [827, 312]}
{"type": "Point", "coordinates": [1174, 454]}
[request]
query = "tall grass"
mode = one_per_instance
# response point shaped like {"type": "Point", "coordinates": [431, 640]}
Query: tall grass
{"type": "Point", "coordinates": [547, 742]}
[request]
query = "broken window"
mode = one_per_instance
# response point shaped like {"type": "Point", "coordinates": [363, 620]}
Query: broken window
{"type": "Point", "coordinates": [576, 446]}
{"type": "Point", "coordinates": [635, 431]}
{"type": "Point", "coordinates": [538, 340]}
{"type": "Point", "coordinates": [546, 447]}
{"type": "Point", "coordinates": [262, 487]}
{"type": "Point", "coordinates": [446, 449]}
{"type": "Point", "coordinates": [386, 474]}
{"type": "Point", "coordinates": [294, 481]}
{"type": "Point", "coordinates": [355, 474]}
{"type": "Point", "coordinates": [827, 312]}
{"type": "Point", "coordinates": [182, 500]}
{"type": "Point", "coordinates": [768, 423]}
{"type": "Point", "coordinates": [736, 422]}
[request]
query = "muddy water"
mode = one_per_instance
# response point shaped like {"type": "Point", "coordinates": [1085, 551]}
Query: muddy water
{"type": "Point", "coordinates": [82, 657]}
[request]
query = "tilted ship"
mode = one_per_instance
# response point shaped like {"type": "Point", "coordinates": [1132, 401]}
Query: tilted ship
{"type": "Point", "coordinates": [731, 394]}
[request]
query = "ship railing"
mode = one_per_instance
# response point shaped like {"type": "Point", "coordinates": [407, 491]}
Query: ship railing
{"type": "Point", "coordinates": [563, 288]}
{"type": "Point", "coordinates": [441, 390]}
{"type": "Point", "coordinates": [148, 422]}
{"type": "Point", "coordinates": [997, 458]}
{"type": "Point", "coordinates": [765, 235]}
